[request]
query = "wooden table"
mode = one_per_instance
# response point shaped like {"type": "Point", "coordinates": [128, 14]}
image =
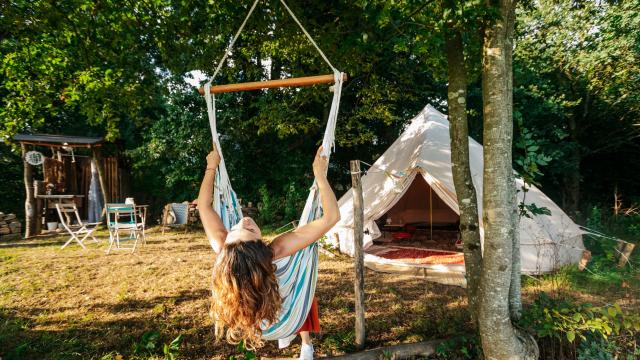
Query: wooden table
{"type": "Point", "coordinates": [50, 202]}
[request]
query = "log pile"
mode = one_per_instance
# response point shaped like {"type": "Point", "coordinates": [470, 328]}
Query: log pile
{"type": "Point", "coordinates": [10, 227]}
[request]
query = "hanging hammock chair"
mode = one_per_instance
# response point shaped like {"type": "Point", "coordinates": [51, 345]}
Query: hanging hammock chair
{"type": "Point", "coordinates": [297, 274]}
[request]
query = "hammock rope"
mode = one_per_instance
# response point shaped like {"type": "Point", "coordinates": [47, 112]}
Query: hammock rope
{"type": "Point", "coordinates": [233, 41]}
{"type": "Point", "coordinates": [297, 274]}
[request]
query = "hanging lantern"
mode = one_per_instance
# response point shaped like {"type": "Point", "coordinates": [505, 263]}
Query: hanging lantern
{"type": "Point", "coordinates": [69, 149]}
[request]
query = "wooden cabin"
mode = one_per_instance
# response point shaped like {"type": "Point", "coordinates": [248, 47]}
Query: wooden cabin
{"type": "Point", "coordinates": [63, 173]}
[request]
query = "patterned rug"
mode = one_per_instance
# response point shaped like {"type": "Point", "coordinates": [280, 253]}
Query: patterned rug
{"type": "Point", "coordinates": [423, 256]}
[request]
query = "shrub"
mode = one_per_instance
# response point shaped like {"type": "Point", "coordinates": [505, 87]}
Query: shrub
{"type": "Point", "coordinates": [595, 348]}
{"type": "Point", "coordinates": [568, 325]}
{"type": "Point", "coordinates": [461, 347]}
{"type": "Point", "coordinates": [274, 211]}
{"type": "Point", "coordinates": [268, 207]}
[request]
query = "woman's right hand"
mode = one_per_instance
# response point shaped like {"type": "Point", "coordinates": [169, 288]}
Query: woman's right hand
{"type": "Point", "coordinates": [213, 159]}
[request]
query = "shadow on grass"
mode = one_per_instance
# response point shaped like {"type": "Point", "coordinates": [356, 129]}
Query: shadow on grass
{"type": "Point", "coordinates": [34, 243]}
{"type": "Point", "coordinates": [22, 338]}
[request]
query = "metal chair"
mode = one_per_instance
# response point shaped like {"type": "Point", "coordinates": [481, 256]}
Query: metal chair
{"type": "Point", "coordinates": [67, 212]}
{"type": "Point", "coordinates": [124, 218]}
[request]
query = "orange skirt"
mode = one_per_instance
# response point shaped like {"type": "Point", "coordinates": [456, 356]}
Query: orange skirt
{"type": "Point", "coordinates": [312, 324]}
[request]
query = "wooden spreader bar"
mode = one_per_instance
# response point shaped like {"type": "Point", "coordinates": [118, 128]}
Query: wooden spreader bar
{"type": "Point", "coordinates": [269, 84]}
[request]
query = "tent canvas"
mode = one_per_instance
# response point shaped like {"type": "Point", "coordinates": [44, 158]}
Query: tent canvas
{"type": "Point", "coordinates": [423, 150]}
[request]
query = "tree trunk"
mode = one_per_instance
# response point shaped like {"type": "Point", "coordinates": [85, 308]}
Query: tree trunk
{"type": "Point", "coordinates": [465, 190]}
{"type": "Point", "coordinates": [500, 340]}
{"type": "Point", "coordinates": [515, 288]}
{"type": "Point", "coordinates": [572, 176]}
{"type": "Point", "coordinates": [30, 216]}
{"type": "Point", "coordinates": [572, 181]}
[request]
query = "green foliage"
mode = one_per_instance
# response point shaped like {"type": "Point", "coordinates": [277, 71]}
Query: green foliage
{"type": "Point", "coordinates": [150, 345]}
{"type": "Point", "coordinates": [295, 198]}
{"type": "Point", "coordinates": [243, 353]}
{"type": "Point", "coordinates": [269, 137]}
{"type": "Point", "coordinates": [460, 347]}
{"type": "Point", "coordinates": [566, 321]}
{"type": "Point", "coordinates": [117, 69]}
{"type": "Point", "coordinates": [171, 350]}
{"type": "Point", "coordinates": [276, 210]}
{"type": "Point", "coordinates": [12, 194]}
{"type": "Point", "coordinates": [64, 347]}
{"type": "Point", "coordinates": [170, 161]}
{"type": "Point", "coordinates": [529, 157]}
{"type": "Point", "coordinates": [624, 225]}
{"type": "Point", "coordinates": [82, 61]}
{"type": "Point", "coordinates": [342, 341]}
{"type": "Point", "coordinates": [602, 274]}
{"type": "Point", "coordinates": [576, 95]}
{"type": "Point", "coordinates": [530, 210]}
{"type": "Point", "coordinates": [595, 348]}
{"type": "Point", "coordinates": [267, 207]}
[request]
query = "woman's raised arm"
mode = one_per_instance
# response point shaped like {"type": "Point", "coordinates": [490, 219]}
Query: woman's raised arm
{"type": "Point", "coordinates": [213, 226]}
{"type": "Point", "coordinates": [289, 243]}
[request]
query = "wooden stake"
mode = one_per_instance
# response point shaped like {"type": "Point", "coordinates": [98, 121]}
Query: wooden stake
{"type": "Point", "coordinates": [358, 233]}
{"type": "Point", "coordinates": [584, 261]}
{"type": "Point", "coordinates": [29, 202]}
{"type": "Point", "coordinates": [625, 249]}
{"type": "Point", "coordinates": [269, 84]}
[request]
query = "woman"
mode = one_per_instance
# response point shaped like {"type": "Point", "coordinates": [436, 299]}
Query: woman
{"type": "Point", "coordinates": [245, 288]}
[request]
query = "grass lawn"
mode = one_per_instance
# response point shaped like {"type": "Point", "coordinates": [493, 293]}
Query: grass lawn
{"type": "Point", "coordinates": [85, 304]}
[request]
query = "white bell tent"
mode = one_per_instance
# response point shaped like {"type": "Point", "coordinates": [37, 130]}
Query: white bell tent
{"type": "Point", "coordinates": [411, 186]}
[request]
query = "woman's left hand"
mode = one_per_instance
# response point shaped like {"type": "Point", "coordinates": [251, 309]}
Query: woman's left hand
{"type": "Point", "coordinates": [320, 164]}
{"type": "Point", "coordinates": [213, 159]}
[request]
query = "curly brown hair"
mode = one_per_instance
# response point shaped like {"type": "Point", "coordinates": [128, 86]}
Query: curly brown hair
{"type": "Point", "coordinates": [245, 292]}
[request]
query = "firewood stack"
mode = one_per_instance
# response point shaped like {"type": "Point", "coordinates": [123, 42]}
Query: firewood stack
{"type": "Point", "coordinates": [10, 227]}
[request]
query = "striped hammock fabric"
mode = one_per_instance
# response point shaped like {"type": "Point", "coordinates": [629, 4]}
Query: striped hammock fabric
{"type": "Point", "coordinates": [225, 201]}
{"type": "Point", "coordinates": [297, 274]}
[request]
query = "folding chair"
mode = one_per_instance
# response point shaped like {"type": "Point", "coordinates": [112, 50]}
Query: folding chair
{"type": "Point", "coordinates": [124, 218]}
{"type": "Point", "coordinates": [65, 212]}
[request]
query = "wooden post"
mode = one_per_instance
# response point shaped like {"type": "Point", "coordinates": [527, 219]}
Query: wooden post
{"type": "Point", "coordinates": [584, 261]}
{"type": "Point", "coordinates": [358, 233]}
{"type": "Point", "coordinates": [625, 250]}
{"type": "Point", "coordinates": [103, 188]}
{"type": "Point", "coordinates": [30, 217]}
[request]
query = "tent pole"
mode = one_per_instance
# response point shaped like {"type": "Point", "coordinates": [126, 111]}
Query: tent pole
{"type": "Point", "coordinates": [430, 213]}
{"type": "Point", "coordinates": [269, 84]}
{"type": "Point", "coordinates": [358, 234]}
